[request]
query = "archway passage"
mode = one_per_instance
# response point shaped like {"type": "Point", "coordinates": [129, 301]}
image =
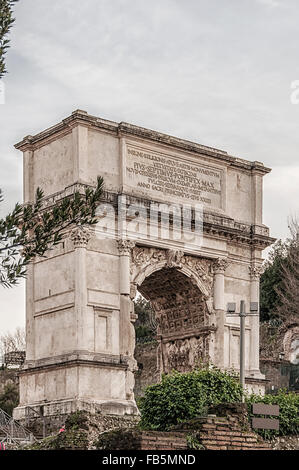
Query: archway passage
{"type": "Point", "coordinates": [182, 319]}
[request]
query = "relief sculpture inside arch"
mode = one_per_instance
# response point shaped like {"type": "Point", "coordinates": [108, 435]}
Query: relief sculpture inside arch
{"type": "Point", "coordinates": [181, 308]}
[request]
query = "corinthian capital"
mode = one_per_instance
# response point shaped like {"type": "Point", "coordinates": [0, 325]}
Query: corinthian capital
{"type": "Point", "coordinates": [220, 265]}
{"type": "Point", "coordinates": [80, 236]}
{"type": "Point", "coordinates": [255, 271]}
{"type": "Point", "coordinates": [125, 246]}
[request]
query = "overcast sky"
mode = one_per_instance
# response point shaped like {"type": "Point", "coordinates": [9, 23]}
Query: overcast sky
{"type": "Point", "coordinates": [217, 72]}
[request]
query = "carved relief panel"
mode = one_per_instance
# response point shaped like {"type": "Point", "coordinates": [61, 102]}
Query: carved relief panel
{"type": "Point", "coordinates": [180, 289]}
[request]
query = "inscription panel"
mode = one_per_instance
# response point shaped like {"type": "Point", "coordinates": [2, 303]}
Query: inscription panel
{"type": "Point", "coordinates": [169, 178]}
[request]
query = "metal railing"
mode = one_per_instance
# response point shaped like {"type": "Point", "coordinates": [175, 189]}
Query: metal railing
{"type": "Point", "coordinates": [32, 413]}
{"type": "Point", "coordinates": [12, 432]}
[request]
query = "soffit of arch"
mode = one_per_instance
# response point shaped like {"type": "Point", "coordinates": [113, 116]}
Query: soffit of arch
{"type": "Point", "coordinates": [145, 261]}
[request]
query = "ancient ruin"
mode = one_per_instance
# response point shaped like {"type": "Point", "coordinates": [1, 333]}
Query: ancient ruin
{"type": "Point", "coordinates": [79, 308]}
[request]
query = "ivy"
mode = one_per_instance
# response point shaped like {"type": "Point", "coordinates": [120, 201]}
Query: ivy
{"type": "Point", "coordinates": [182, 396]}
{"type": "Point", "coordinates": [288, 412]}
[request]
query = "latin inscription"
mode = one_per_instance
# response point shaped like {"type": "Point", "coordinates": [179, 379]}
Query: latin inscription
{"type": "Point", "coordinates": [170, 178]}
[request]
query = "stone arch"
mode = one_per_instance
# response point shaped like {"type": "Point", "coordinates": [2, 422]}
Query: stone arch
{"type": "Point", "coordinates": [145, 261]}
{"type": "Point", "coordinates": [180, 290]}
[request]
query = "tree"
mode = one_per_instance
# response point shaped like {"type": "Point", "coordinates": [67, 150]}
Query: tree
{"type": "Point", "coordinates": [280, 280]}
{"type": "Point", "coordinates": [11, 342]}
{"type": "Point", "coordinates": [9, 398]}
{"type": "Point", "coordinates": [6, 22]}
{"type": "Point", "coordinates": [288, 289]}
{"type": "Point", "coordinates": [30, 229]}
{"type": "Point", "coordinates": [271, 280]}
{"type": "Point", "coordinates": [145, 325]}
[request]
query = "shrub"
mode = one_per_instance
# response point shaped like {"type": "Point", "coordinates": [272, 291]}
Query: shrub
{"type": "Point", "coordinates": [72, 439]}
{"type": "Point", "coordinates": [117, 439]}
{"type": "Point", "coordinates": [182, 396]}
{"type": "Point", "coordinates": [288, 412]}
{"type": "Point", "coordinates": [77, 420]}
{"type": "Point", "coordinates": [9, 399]}
{"type": "Point", "coordinates": [75, 436]}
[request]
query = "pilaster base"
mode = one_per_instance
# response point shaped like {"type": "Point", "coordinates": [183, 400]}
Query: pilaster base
{"type": "Point", "coordinates": [65, 407]}
{"type": "Point", "coordinates": [60, 386]}
{"type": "Point", "coordinates": [256, 383]}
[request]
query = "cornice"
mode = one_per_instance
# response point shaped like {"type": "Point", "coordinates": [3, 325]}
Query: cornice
{"type": "Point", "coordinates": [124, 129]}
{"type": "Point", "coordinates": [215, 225]}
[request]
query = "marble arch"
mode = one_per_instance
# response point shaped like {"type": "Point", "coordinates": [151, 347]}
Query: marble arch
{"type": "Point", "coordinates": [180, 290]}
{"type": "Point", "coordinates": [145, 261]}
{"type": "Point", "coordinates": [79, 309]}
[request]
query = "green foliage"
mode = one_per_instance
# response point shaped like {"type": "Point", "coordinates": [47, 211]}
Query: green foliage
{"type": "Point", "coordinates": [193, 442]}
{"type": "Point", "coordinates": [77, 420]}
{"type": "Point", "coordinates": [272, 279]}
{"type": "Point", "coordinates": [48, 443]}
{"type": "Point", "coordinates": [143, 334]}
{"type": "Point", "coordinates": [72, 439]}
{"type": "Point", "coordinates": [9, 399]}
{"type": "Point", "coordinates": [75, 436]}
{"type": "Point", "coordinates": [182, 396]}
{"type": "Point", "coordinates": [117, 439]}
{"type": "Point", "coordinates": [30, 230]}
{"type": "Point", "coordinates": [143, 309]}
{"type": "Point", "coordinates": [145, 327]}
{"type": "Point", "coordinates": [288, 412]}
{"type": "Point", "coordinates": [6, 22]}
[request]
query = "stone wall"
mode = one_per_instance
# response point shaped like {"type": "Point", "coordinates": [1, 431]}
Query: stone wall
{"type": "Point", "coordinates": [215, 434]}
{"type": "Point", "coordinates": [147, 373]}
{"type": "Point", "coordinates": [154, 440]}
{"type": "Point", "coordinates": [50, 425]}
{"type": "Point", "coordinates": [220, 433]}
{"type": "Point", "coordinates": [228, 429]}
{"type": "Point", "coordinates": [280, 374]}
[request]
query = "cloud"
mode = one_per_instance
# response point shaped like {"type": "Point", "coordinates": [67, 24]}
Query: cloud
{"type": "Point", "coordinates": [218, 73]}
{"type": "Point", "coordinates": [270, 3]}
{"type": "Point", "coordinates": [281, 198]}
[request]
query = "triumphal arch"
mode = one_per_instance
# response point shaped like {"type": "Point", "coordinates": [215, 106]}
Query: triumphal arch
{"type": "Point", "coordinates": [179, 223]}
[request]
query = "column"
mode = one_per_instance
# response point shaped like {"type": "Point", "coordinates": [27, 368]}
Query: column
{"type": "Point", "coordinates": [219, 268]}
{"type": "Point", "coordinates": [124, 247]}
{"type": "Point", "coordinates": [126, 327]}
{"type": "Point", "coordinates": [255, 271]}
{"type": "Point", "coordinates": [30, 329]}
{"type": "Point", "coordinates": [28, 196]}
{"type": "Point", "coordinates": [80, 237]}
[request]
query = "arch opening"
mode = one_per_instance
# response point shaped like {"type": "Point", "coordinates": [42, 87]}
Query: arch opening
{"type": "Point", "coordinates": [182, 324]}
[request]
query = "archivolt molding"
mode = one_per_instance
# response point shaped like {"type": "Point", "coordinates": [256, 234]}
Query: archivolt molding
{"type": "Point", "coordinates": [145, 261]}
